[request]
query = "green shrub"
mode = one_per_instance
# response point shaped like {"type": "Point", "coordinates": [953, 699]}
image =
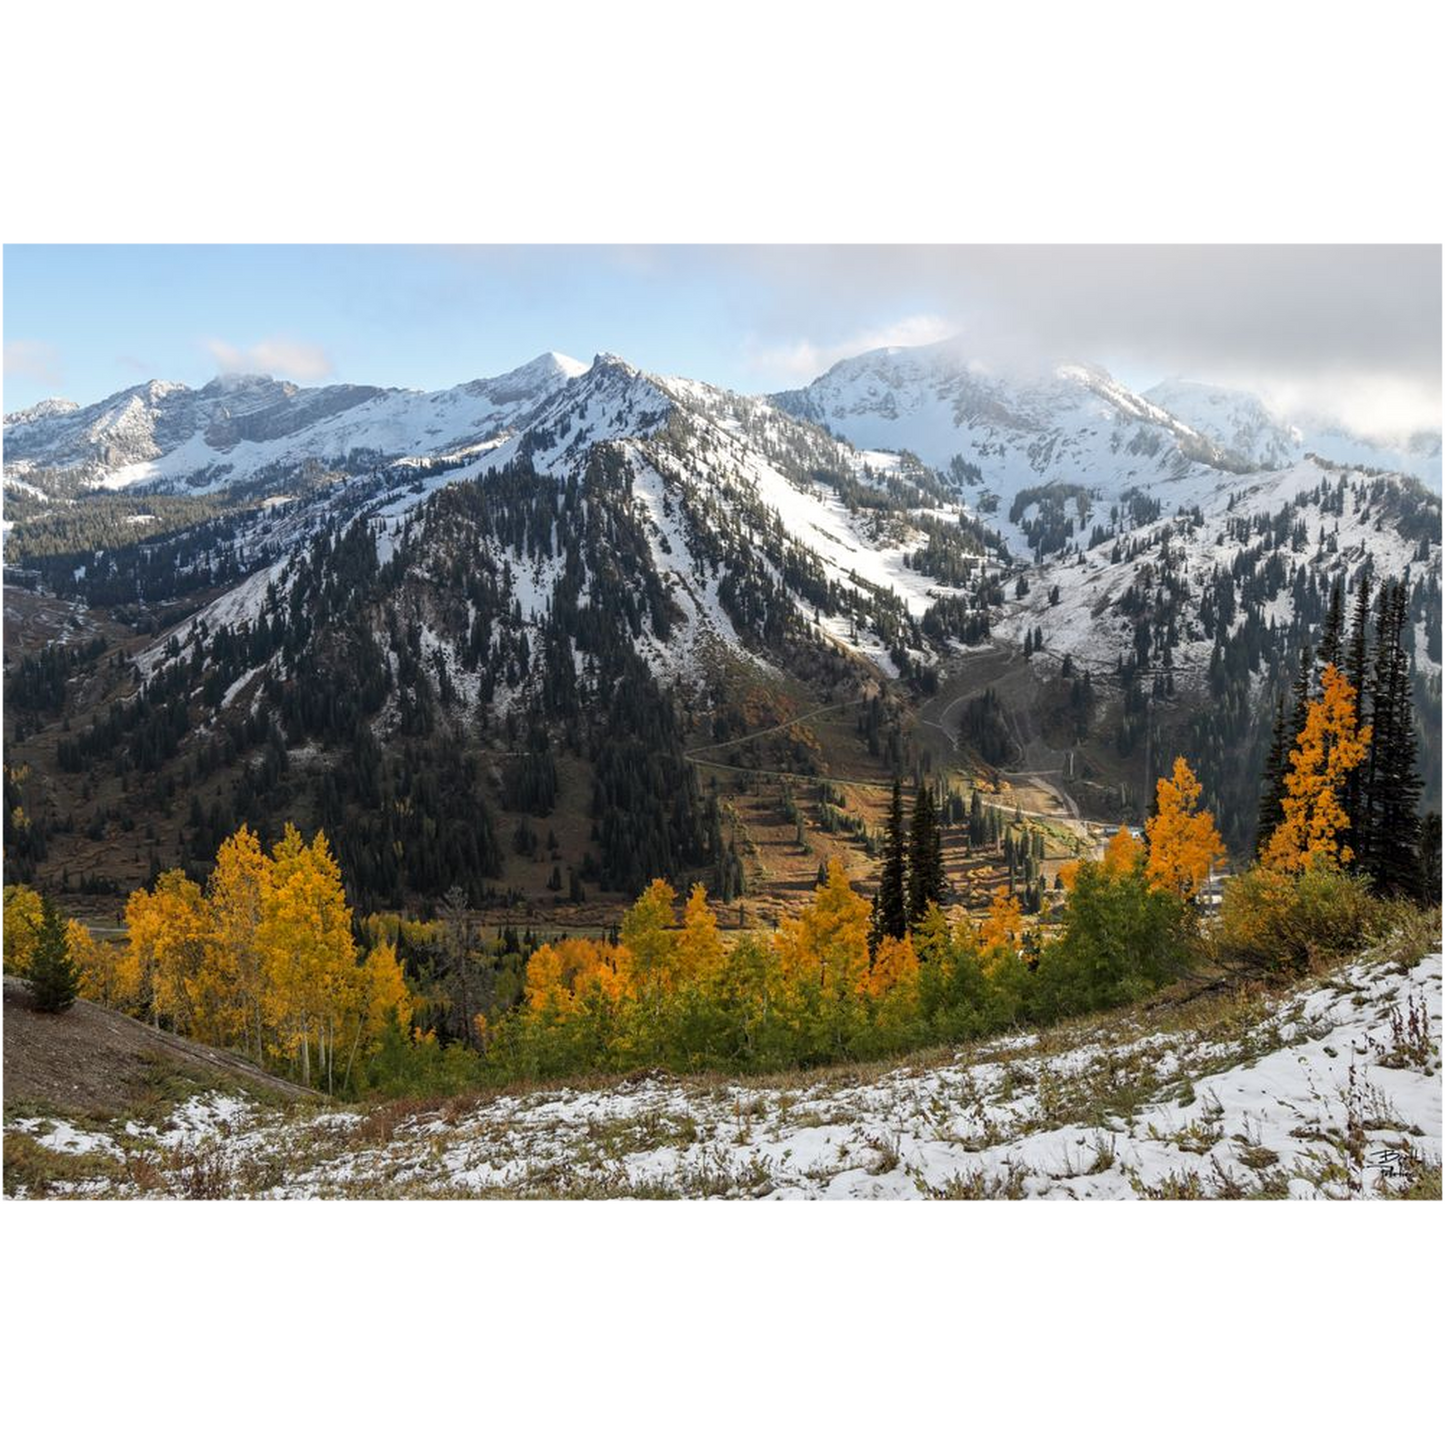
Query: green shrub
{"type": "Point", "coordinates": [1122, 940]}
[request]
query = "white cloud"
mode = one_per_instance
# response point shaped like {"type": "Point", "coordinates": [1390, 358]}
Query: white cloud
{"type": "Point", "coordinates": [1351, 332]}
{"type": "Point", "coordinates": [33, 361]}
{"type": "Point", "coordinates": [804, 360]}
{"type": "Point", "coordinates": [275, 356]}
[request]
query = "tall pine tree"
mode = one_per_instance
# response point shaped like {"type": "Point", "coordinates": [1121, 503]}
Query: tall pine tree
{"type": "Point", "coordinates": [1303, 690]}
{"type": "Point", "coordinates": [1357, 660]}
{"type": "Point", "coordinates": [1271, 797]}
{"type": "Point", "coordinates": [1331, 645]}
{"type": "Point", "coordinates": [1392, 785]}
{"type": "Point", "coordinates": [926, 882]}
{"type": "Point", "coordinates": [890, 904]}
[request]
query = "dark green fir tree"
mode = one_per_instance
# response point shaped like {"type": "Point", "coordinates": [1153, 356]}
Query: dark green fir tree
{"type": "Point", "coordinates": [890, 905]}
{"type": "Point", "coordinates": [1390, 806]}
{"type": "Point", "coordinates": [926, 882]}
{"type": "Point", "coordinates": [54, 979]}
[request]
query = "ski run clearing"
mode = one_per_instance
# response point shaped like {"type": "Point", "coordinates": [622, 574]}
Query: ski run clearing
{"type": "Point", "coordinates": [1331, 1090]}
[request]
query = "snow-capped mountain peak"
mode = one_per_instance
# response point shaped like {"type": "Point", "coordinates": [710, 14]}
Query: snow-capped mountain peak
{"type": "Point", "coordinates": [1247, 425]}
{"type": "Point", "coordinates": [237, 427]}
{"type": "Point", "coordinates": [51, 406]}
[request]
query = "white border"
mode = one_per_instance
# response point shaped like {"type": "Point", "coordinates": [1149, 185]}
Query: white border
{"type": "Point", "coordinates": [911, 122]}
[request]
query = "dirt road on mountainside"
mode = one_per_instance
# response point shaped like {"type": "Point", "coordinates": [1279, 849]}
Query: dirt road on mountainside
{"type": "Point", "coordinates": [1038, 766]}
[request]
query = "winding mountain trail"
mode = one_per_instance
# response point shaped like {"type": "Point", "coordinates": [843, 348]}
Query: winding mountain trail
{"type": "Point", "coordinates": [1000, 667]}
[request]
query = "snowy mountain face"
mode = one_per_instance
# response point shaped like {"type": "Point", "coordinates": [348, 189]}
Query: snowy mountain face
{"type": "Point", "coordinates": [591, 554]}
{"type": "Point", "coordinates": [227, 432]}
{"type": "Point", "coordinates": [999, 436]}
{"type": "Point", "coordinates": [629, 551]}
{"type": "Point", "coordinates": [754, 533]}
{"type": "Point", "coordinates": [1240, 422]}
{"type": "Point", "coordinates": [1328, 524]}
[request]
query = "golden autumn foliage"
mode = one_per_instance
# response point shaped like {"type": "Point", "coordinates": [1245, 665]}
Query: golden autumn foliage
{"type": "Point", "coordinates": [107, 971]}
{"type": "Point", "coordinates": [1004, 926]}
{"type": "Point", "coordinates": [810, 992]}
{"type": "Point", "coordinates": [701, 955]}
{"type": "Point", "coordinates": [313, 992]}
{"type": "Point", "coordinates": [1184, 844]}
{"type": "Point", "coordinates": [236, 892]}
{"type": "Point", "coordinates": [826, 945]}
{"type": "Point", "coordinates": [565, 977]}
{"type": "Point", "coordinates": [894, 969]}
{"type": "Point", "coordinates": [647, 934]}
{"type": "Point", "coordinates": [1122, 855]}
{"type": "Point", "coordinates": [262, 959]}
{"type": "Point", "coordinates": [167, 928]}
{"type": "Point", "coordinates": [22, 926]}
{"type": "Point", "coordinates": [1331, 744]}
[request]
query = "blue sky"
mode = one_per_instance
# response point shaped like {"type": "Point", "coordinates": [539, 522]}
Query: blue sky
{"type": "Point", "coordinates": [1353, 332]}
{"type": "Point", "coordinates": [84, 321]}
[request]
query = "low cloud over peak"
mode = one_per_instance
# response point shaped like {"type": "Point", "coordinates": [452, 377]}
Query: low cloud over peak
{"type": "Point", "coordinates": [275, 356]}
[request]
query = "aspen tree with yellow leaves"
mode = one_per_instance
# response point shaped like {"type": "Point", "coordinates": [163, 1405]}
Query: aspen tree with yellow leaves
{"type": "Point", "coordinates": [1184, 844]}
{"type": "Point", "coordinates": [384, 999]}
{"type": "Point", "coordinates": [168, 935]}
{"type": "Point", "coordinates": [22, 926]}
{"type": "Point", "coordinates": [547, 988]}
{"type": "Point", "coordinates": [827, 943]}
{"type": "Point", "coordinates": [1003, 929]}
{"type": "Point", "coordinates": [108, 974]}
{"type": "Point", "coordinates": [647, 934]}
{"type": "Point", "coordinates": [700, 951]}
{"type": "Point", "coordinates": [893, 972]}
{"type": "Point", "coordinates": [1330, 746]}
{"type": "Point", "coordinates": [306, 942]}
{"type": "Point", "coordinates": [1122, 855]}
{"type": "Point", "coordinates": [236, 892]}
{"type": "Point", "coordinates": [822, 960]}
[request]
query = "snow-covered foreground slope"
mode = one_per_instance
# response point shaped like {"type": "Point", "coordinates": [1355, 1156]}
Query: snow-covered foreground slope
{"type": "Point", "coordinates": [1331, 1091]}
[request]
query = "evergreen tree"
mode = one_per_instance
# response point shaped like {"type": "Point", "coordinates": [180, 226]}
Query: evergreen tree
{"type": "Point", "coordinates": [1392, 785]}
{"type": "Point", "coordinates": [890, 905]}
{"type": "Point", "coordinates": [1303, 688]}
{"type": "Point", "coordinates": [1331, 654]}
{"type": "Point", "coordinates": [54, 978]}
{"type": "Point", "coordinates": [1271, 798]}
{"type": "Point", "coordinates": [1358, 656]}
{"type": "Point", "coordinates": [926, 881]}
{"type": "Point", "coordinates": [1356, 667]}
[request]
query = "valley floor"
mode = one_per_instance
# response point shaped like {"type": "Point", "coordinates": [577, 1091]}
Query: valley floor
{"type": "Point", "coordinates": [1331, 1090]}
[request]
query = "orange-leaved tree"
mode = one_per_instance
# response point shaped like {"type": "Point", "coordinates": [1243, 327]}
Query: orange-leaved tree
{"type": "Point", "coordinates": [1331, 744]}
{"type": "Point", "coordinates": [1003, 929]}
{"type": "Point", "coordinates": [1184, 844]}
{"type": "Point", "coordinates": [893, 972]}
